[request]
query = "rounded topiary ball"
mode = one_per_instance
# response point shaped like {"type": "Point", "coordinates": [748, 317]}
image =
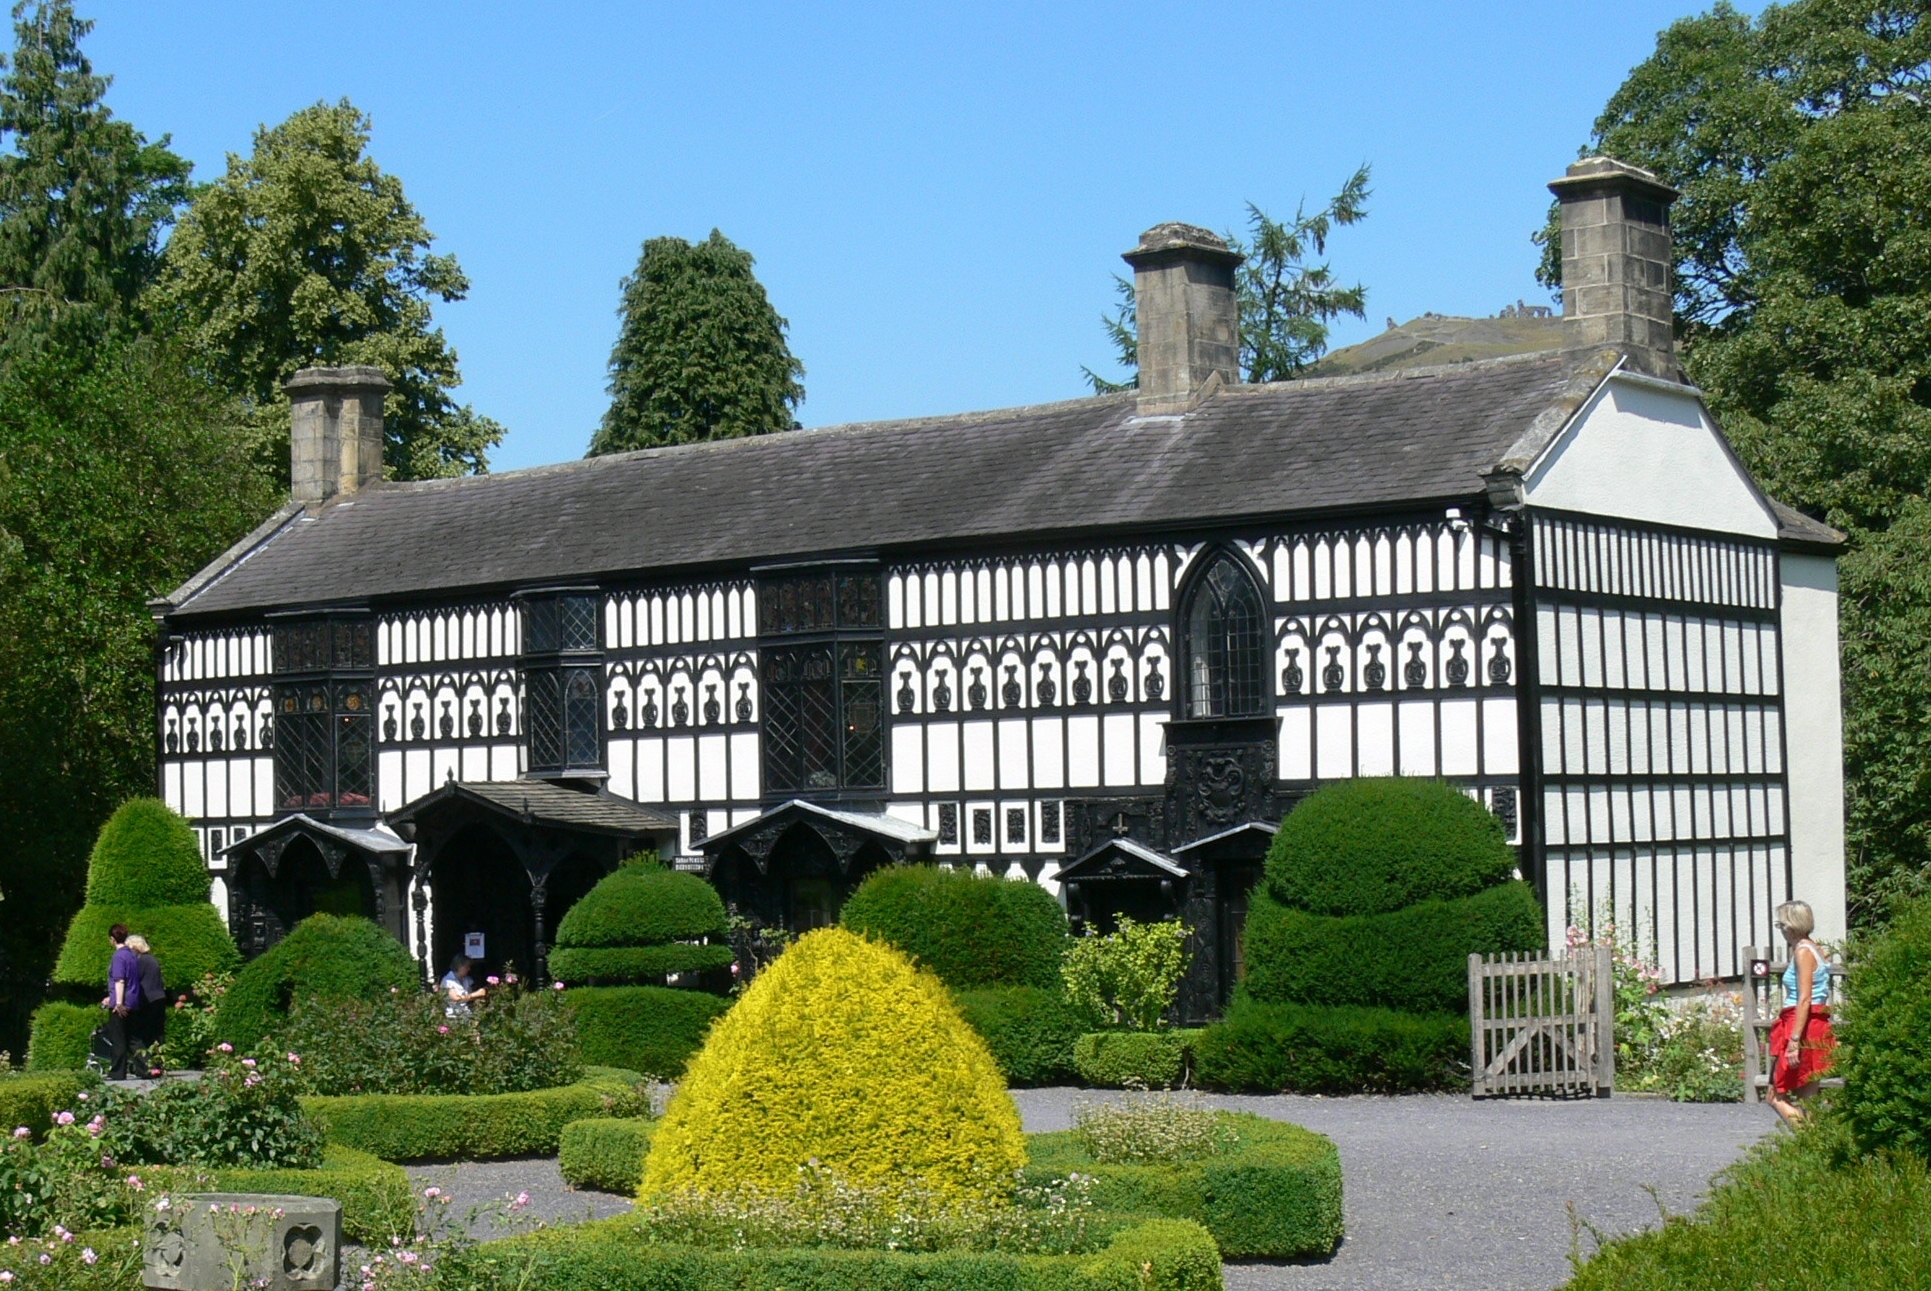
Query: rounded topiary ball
{"type": "Point", "coordinates": [1374, 845]}
{"type": "Point", "coordinates": [973, 930]}
{"type": "Point", "coordinates": [146, 855]}
{"type": "Point", "coordinates": [326, 956]}
{"type": "Point", "coordinates": [641, 922]}
{"type": "Point", "coordinates": [1886, 1061]}
{"type": "Point", "coordinates": [844, 1053]}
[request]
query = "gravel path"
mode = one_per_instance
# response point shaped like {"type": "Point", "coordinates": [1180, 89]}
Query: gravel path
{"type": "Point", "coordinates": [1442, 1192]}
{"type": "Point", "coordinates": [1445, 1192]}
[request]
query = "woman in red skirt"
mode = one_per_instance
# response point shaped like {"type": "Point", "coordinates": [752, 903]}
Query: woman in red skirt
{"type": "Point", "coordinates": [1801, 1041]}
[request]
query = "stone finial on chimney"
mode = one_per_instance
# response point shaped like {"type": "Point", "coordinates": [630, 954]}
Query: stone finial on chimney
{"type": "Point", "coordinates": [1616, 261]}
{"type": "Point", "coordinates": [335, 441]}
{"type": "Point", "coordinates": [1188, 311]}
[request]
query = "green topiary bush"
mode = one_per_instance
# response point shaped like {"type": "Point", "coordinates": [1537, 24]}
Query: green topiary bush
{"type": "Point", "coordinates": [1414, 959]}
{"type": "Point", "coordinates": [61, 1034]}
{"type": "Point", "coordinates": [1310, 1049]}
{"type": "Point", "coordinates": [607, 1155]}
{"type": "Point", "coordinates": [189, 940]}
{"type": "Point", "coordinates": [652, 1029]}
{"type": "Point", "coordinates": [1886, 1059]}
{"type": "Point", "coordinates": [146, 855]}
{"type": "Point", "coordinates": [324, 956]}
{"type": "Point", "coordinates": [642, 903]}
{"type": "Point", "coordinates": [1133, 1059]}
{"type": "Point", "coordinates": [1371, 846]}
{"type": "Point", "coordinates": [635, 963]}
{"type": "Point", "coordinates": [1031, 1031]}
{"type": "Point", "coordinates": [973, 930]}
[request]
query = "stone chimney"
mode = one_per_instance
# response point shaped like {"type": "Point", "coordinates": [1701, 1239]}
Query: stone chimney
{"type": "Point", "coordinates": [1616, 261]}
{"type": "Point", "coordinates": [335, 445]}
{"type": "Point", "coordinates": [1189, 314]}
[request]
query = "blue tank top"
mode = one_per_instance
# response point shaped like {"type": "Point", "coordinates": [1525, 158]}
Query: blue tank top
{"type": "Point", "coordinates": [1819, 979]}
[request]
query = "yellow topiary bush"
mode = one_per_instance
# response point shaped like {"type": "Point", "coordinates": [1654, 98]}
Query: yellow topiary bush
{"type": "Point", "coordinates": [845, 1053]}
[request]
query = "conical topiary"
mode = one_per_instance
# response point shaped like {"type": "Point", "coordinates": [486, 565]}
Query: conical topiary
{"type": "Point", "coordinates": [842, 1053]}
{"type": "Point", "coordinates": [639, 923]}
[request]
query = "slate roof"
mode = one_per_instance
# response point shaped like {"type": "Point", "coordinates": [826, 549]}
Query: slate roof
{"type": "Point", "coordinates": [1065, 470]}
{"type": "Point", "coordinates": [548, 804]}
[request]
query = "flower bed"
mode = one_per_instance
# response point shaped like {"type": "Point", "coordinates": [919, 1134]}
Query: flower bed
{"type": "Point", "coordinates": [606, 1154]}
{"type": "Point", "coordinates": [472, 1127]}
{"type": "Point", "coordinates": [1267, 1190]}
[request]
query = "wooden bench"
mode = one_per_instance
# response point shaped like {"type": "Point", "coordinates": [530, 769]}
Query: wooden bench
{"type": "Point", "coordinates": [1762, 1002]}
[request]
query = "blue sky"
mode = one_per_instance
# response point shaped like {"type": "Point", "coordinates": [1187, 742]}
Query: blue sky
{"type": "Point", "coordinates": [937, 195]}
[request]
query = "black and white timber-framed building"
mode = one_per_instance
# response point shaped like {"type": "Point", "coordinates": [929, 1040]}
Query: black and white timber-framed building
{"type": "Point", "coordinates": [1101, 644]}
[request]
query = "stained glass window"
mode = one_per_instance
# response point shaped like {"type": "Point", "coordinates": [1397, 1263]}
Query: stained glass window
{"type": "Point", "coordinates": [823, 702]}
{"type": "Point", "coordinates": [563, 708]}
{"type": "Point", "coordinates": [323, 727]}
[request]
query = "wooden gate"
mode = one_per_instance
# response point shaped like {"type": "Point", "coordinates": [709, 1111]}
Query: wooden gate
{"type": "Point", "coordinates": [1542, 1026]}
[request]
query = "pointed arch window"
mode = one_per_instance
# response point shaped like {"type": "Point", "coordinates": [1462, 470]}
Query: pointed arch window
{"type": "Point", "coordinates": [1226, 642]}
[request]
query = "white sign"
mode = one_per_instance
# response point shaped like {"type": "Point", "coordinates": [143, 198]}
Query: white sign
{"type": "Point", "coordinates": [473, 944]}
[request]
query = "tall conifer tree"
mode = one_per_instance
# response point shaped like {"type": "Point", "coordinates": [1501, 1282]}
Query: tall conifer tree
{"type": "Point", "coordinates": [701, 353]}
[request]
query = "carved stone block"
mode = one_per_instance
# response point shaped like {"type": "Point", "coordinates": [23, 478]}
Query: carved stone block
{"type": "Point", "coordinates": [214, 1241]}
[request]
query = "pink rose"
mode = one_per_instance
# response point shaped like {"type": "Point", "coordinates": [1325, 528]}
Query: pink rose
{"type": "Point", "coordinates": [247, 1062]}
{"type": "Point", "coordinates": [225, 1047]}
{"type": "Point", "coordinates": [494, 981]}
{"type": "Point", "coordinates": [556, 986]}
{"type": "Point", "coordinates": [23, 1133]}
{"type": "Point", "coordinates": [87, 1255]}
{"type": "Point", "coordinates": [64, 1118]}
{"type": "Point", "coordinates": [443, 1030]}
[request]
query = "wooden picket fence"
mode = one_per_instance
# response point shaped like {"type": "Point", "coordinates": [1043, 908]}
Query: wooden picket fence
{"type": "Point", "coordinates": [1763, 999]}
{"type": "Point", "coordinates": [1542, 1025]}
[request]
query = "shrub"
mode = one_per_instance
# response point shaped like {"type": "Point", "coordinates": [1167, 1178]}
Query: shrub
{"type": "Point", "coordinates": [191, 941]}
{"type": "Point", "coordinates": [1133, 1059]}
{"type": "Point", "coordinates": [1760, 1226]}
{"type": "Point", "coordinates": [643, 904]}
{"type": "Point", "coordinates": [845, 1052]}
{"type": "Point", "coordinates": [1370, 846]}
{"type": "Point", "coordinates": [241, 1113]}
{"type": "Point", "coordinates": [377, 1200]}
{"type": "Point", "coordinates": [1130, 977]}
{"type": "Point", "coordinates": [1886, 1062]}
{"type": "Point", "coordinates": [325, 956]}
{"type": "Point", "coordinates": [607, 1154]}
{"type": "Point", "coordinates": [1272, 1193]}
{"type": "Point", "coordinates": [403, 1044]}
{"type": "Point", "coordinates": [1031, 1032]}
{"type": "Point", "coordinates": [1312, 1049]}
{"type": "Point", "coordinates": [62, 1181]}
{"type": "Point", "coordinates": [146, 855]}
{"type": "Point", "coordinates": [32, 1100]}
{"type": "Point", "coordinates": [973, 930]}
{"type": "Point", "coordinates": [191, 1023]}
{"type": "Point", "coordinates": [1152, 1129]}
{"type": "Point", "coordinates": [1415, 958]}
{"type": "Point", "coordinates": [635, 963]}
{"type": "Point", "coordinates": [473, 1127]}
{"type": "Point", "coordinates": [1695, 1053]}
{"type": "Point", "coordinates": [62, 1034]}
{"type": "Point", "coordinates": [652, 1029]}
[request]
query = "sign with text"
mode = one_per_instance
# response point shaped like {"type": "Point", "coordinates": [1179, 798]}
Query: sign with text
{"type": "Point", "coordinates": [473, 944]}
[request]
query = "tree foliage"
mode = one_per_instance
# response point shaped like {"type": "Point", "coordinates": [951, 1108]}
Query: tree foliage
{"type": "Point", "coordinates": [1802, 144]}
{"type": "Point", "coordinates": [1288, 293]}
{"type": "Point", "coordinates": [701, 353]}
{"type": "Point", "coordinates": [305, 252]}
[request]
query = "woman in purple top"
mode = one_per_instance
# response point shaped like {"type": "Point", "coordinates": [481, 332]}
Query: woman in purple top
{"type": "Point", "coordinates": [123, 999]}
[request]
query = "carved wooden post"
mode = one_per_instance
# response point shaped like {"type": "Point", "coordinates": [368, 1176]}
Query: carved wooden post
{"type": "Point", "coordinates": [539, 898]}
{"type": "Point", "coordinates": [420, 901]}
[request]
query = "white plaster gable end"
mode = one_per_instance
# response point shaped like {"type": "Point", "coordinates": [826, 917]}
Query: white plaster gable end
{"type": "Point", "coordinates": [1648, 450]}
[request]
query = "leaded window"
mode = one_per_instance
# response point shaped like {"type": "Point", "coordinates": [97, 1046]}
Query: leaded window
{"type": "Point", "coordinates": [1226, 643]}
{"type": "Point", "coordinates": [324, 733]}
{"type": "Point", "coordinates": [824, 697]}
{"type": "Point", "coordinates": [562, 681]}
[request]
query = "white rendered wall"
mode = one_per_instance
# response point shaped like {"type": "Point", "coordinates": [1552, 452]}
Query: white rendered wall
{"type": "Point", "coordinates": [1641, 453]}
{"type": "Point", "coordinates": [1814, 714]}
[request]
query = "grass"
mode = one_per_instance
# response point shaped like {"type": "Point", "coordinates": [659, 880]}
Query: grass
{"type": "Point", "coordinates": [1799, 1213]}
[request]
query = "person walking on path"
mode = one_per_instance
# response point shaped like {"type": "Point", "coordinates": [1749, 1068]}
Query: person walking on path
{"type": "Point", "coordinates": [150, 1024]}
{"type": "Point", "coordinates": [123, 998]}
{"type": "Point", "coordinates": [1801, 1042]}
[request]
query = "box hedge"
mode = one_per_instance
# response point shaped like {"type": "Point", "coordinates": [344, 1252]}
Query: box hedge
{"type": "Point", "coordinates": [324, 956]}
{"type": "Point", "coordinates": [973, 930]}
{"type": "Point", "coordinates": [643, 904]}
{"type": "Point", "coordinates": [1276, 1195]}
{"type": "Point", "coordinates": [1886, 1061]}
{"type": "Point", "coordinates": [615, 1255]}
{"type": "Point", "coordinates": [188, 940]}
{"type": "Point", "coordinates": [378, 1201]}
{"type": "Point", "coordinates": [1030, 1030]}
{"type": "Point", "coordinates": [606, 1154]}
{"type": "Point", "coordinates": [1373, 845]}
{"type": "Point", "coordinates": [1415, 958]}
{"type": "Point", "coordinates": [31, 1100]}
{"type": "Point", "coordinates": [472, 1127]}
{"type": "Point", "coordinates": [62, 1035]}
{"type": "Point", "coordinates": [1134, 1059]}
{"type": "Point", "coordinates": [1315, 1049]}
{"type": "Point", "coordinates": [635, 963]}
{"type": "Point", "coordinates": [845, 1052]}
{"type": "Point", "coordinates": [146, 855]}
{"type": "Point", "coordinates": [652, 1029]}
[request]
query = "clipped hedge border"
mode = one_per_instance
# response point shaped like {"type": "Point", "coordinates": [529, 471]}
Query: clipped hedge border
{"type": "Point", "coordinates": [606, 1154]}
{"type": "Point", "coordinates": [472, 1127]}
{"type": "Point", "coordinates": [1134, 1059]}
{"type": "Point", "coordinates": [652, 1029]}
{"type": "Point", "coordinates": [614, 1255]}
{"type": "Point", "coordinates": [377, 1199]}
{"type": "Point", "coordinates": [1276, 1196]}
{"type": "Point", "coordinates": [62, 1035]}
{"type": "Point", "coordinates": [1314, 1049]}
{"type": "Point", "coordinates": [32, 1099]}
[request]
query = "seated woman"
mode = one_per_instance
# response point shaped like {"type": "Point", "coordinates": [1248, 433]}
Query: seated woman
{"type": "Point", "coordinates": [457, 989]}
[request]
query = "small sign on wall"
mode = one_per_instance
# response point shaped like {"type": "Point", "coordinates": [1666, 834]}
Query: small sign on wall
{"type": "Point", "coordinates": [473, 944]}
